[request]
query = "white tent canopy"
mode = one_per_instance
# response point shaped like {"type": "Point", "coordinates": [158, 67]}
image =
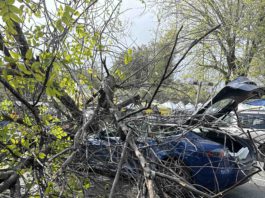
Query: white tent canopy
{"type": "Point", "coordinates": [190, 107]}
{"type": "Point", "coordinates": [169, 105]}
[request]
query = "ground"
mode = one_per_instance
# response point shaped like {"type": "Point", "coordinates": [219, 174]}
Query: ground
{"type": "Point", "coordinates": [253, 189]}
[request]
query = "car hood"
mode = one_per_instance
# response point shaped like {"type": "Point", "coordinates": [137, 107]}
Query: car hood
{"type": "Point", "coordinates": [226, 100]}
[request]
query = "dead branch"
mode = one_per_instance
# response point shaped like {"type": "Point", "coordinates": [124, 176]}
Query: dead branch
{"type": "Point", "coordinates": [146, 168]}
{"type": "Point", "coordinates": [116, 179]}
{"type": "Point", "coordinates": [144, 165]}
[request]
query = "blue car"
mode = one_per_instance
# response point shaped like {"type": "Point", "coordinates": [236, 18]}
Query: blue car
{"type": "Point", "coordinates": [213, 160]}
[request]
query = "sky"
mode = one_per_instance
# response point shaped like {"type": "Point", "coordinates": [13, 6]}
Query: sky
{"type": "Point", "coordinates": [142, 21]}
{"type": "Point", "coordinates": [139, 20]}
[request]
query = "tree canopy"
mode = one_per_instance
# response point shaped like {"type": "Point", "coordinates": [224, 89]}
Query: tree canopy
{"type": "Point", "coordinates": [236, 48]}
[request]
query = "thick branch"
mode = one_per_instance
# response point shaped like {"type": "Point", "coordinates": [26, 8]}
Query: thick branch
{"type": "Point", "coordinates": [69, 103]}
{"type": "Point", "coordinates": [20, 98]}
{"type": "Point", "coordinates": [117, 176]}
{"type": "Point", "coordinates": [146, 168]}
{"type": "Point", "coordinates": [21, 40]}
{"type": "Point", "coordinates": [9, 182]}
{"type": "Point", "coordinates": [18, 120]}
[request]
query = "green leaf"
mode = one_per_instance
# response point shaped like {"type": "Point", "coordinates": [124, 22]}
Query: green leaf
{"type": "Point", "coordinates": [59, 25]}
{"type": "Point", "coordinates": [22, 68]}
{"type": "Point", "coordinates": [128, 57]}
{"type": "Point", "coordinates": [86, 184]}
{"type": "Point", "coordinates": [15, 10]}
{"type": "Point", "coordinates": [39, 77]}
{"type": "Point", "coordinates": [66, 20]}
{"type": "Point", "coordinates": [90, 71]}
{"type": "Point", "coordinates": [14, 55]}
{"type": "Point", "coordinates": [49, 188]}
{"type": "Point", "coordinates": [24, 143]}
{"type": "Point", "coordinates": [56, 66]}
{"type": "Point", "coordinates": [2, 4]}
{"type": "Point", "coordinates": [10, 25]}
{"type": "Point", "coordinates": [69, 9]}
{"type": "Point", "coordinates": [52, 91]}
{"type": "Point", "coordinates": [130, 52]}
{"type": "Point", "coordinates": [35, 66]}
{"type": "Point", "coordinates": [37, 14]}
{"type": "Point", "coordinates": [4, 73]}
{"type": "Point", "coordinates": [42, 155]}
{"type": "Point", "coordinates": [58, 132]}
{"type": "Point", "coordinates": [8, 59]}
{"type": "Point", "coordinates": [29, 54]}
{"type": "Point", "coordinates": [67, 57]}
{"type": "Point", "coordinates": [6, 105]}
{"type": "Point", "coordinates": [15, 17]}
{"type": "Point", "coordinates": [51, 79]}
{"type": "Point", "coordinates": [10, 2]}
{"type": "Point", "coordinates": [14, 141]}
{"type": "Point", "coordinates": [120, 74]}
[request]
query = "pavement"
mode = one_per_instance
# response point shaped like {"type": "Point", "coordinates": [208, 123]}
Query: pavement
{"type": "Point", "coordinates": [253, 189]}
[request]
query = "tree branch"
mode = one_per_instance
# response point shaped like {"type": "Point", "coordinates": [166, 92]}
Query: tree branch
{"type": "Point", "coordinates": [21, 40]}
{"type": "Point", "coordinates": [47, 75]}
{"type": "Point", "coordinates": [117, 176]}
{"type": "Point", "coordinates": [20, 98]}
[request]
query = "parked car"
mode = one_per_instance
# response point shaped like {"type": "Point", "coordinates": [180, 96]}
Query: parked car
{"type": "Point", "coordinates": [214, 160]}
{"type": "Point", "coordinates": [248, 120]}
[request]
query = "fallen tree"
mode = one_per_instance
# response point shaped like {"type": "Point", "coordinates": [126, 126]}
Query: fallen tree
{"type": "Point", "coordinates": [53, 102]}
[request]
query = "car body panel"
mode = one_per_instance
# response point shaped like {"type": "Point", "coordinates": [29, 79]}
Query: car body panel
{"type": "Point", "coordinates": [215, 173]}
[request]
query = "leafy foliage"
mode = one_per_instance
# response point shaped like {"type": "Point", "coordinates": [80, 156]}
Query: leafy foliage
{"type": "Point", "coordinates": [48, 69]}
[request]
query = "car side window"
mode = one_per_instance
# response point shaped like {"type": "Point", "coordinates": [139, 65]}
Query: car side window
{"type": "Point", "coordinates": [256, 121]}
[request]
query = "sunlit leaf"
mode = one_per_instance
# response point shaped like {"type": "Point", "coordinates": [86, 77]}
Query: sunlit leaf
{"type": "Point", "coordinates": [22, 68]}
{"type": "Point", "coordinates": [42, 155]}
{"type": "Point", "coordinates": [29, 54]}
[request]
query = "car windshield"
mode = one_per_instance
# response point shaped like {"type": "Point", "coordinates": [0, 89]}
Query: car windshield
{"type": "Point", "coordinates": [218, 106]}
{"type": "Point", "coordinates": [248, 120]}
